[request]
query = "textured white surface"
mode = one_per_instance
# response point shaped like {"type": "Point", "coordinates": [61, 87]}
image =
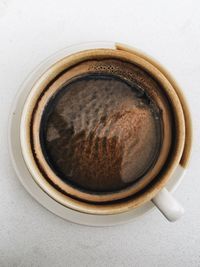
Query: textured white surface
{"type": "Point", "coordinates": [30, 31]}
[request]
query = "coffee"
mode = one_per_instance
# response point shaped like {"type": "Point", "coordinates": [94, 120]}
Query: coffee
{"type": "Point", "coordinates": [101, 133]}
{"type": "Point", "coordinates": [102, 129]}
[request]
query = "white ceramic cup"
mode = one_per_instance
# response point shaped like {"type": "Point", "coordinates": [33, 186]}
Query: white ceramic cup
{"type": "Point", "coordinates": [159, 195]}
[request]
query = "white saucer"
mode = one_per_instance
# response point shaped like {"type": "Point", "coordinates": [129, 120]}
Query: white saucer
{"type": "Point", "coordinates": [26, 178]}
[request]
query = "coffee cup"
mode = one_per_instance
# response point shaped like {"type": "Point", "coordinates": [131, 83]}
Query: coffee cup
{"type": "Point", "coordinates": [109, 198]}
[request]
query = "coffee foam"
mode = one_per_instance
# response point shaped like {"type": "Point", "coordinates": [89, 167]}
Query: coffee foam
{"type": "Point", "coordinates": [102, 132]}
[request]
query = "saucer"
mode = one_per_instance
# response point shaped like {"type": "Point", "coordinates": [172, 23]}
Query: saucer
{"type": "Point", "coordinates": [25, 177]}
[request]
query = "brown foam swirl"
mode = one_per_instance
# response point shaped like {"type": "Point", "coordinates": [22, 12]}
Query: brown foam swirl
{"type": "Point", "coordinates": [101, 134]}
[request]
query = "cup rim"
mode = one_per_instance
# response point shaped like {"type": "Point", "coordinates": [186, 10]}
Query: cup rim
{"type": "Point", "coordinates": [111, 208]}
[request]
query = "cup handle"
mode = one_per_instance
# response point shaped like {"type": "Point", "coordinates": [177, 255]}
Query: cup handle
{"type": "Point", "coordinates": [168, 205]}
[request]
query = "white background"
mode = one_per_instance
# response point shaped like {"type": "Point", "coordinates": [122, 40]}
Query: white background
{"type": "Point", "coordinates": [32, 30]}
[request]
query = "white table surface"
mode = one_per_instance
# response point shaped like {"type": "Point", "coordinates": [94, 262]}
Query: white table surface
{"type": "Point", "coordinates": [32, 30]}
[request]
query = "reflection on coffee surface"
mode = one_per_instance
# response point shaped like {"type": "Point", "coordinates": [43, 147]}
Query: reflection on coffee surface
{"type": "Point", "coordinates": [101, 131]}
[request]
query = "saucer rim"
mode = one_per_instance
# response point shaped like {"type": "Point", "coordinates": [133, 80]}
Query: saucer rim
{"type": "Point", "coordinates": [24, 175]}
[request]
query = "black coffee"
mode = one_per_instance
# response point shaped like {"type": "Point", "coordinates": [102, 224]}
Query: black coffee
{"type": "Point", "coordinates": [101, 132]}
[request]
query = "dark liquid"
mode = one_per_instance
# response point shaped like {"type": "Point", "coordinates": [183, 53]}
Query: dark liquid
{"type": "Point", "coordinates": [101, 133]}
